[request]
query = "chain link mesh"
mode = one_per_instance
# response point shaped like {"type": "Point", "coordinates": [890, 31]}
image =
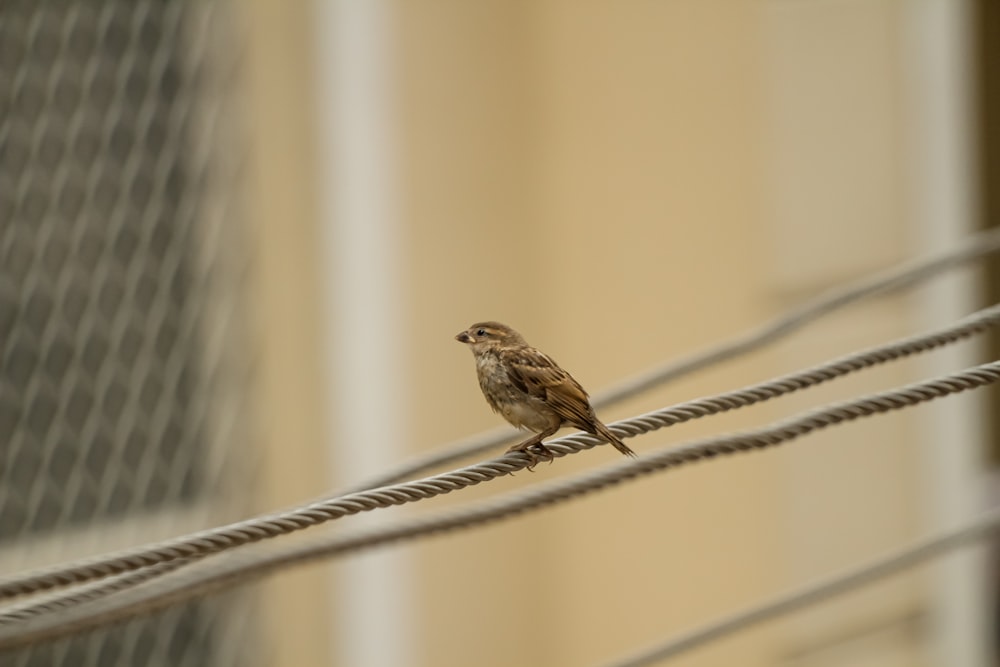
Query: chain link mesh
{"type": "Point", "coordinates": [121, 270]}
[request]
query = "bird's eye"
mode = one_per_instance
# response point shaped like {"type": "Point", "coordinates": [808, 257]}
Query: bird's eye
{"type": "Point", "coordinates": [480, 332]}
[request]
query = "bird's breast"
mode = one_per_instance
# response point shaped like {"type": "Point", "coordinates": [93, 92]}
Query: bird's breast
{"type": "Point", "coordinates": [517, 407]}
{"type": "Point", "coordinates": [488, 364]}
{"type": "Point", "coordinates": [529, 413]}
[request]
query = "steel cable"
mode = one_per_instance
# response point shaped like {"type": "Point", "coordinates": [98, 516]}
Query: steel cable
{"type": "Point", "coordinates": [85, 593]}
{"type": "Point", "coordinates": [252, 530]}
{"type": "Point", "coordinates": [172, 588]}
{"type": "Point", "coordinates": [896, 278]}
{"type": "Point", "coordinates": [982, 527]}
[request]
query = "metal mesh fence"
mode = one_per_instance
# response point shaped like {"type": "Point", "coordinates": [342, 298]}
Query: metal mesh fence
{"type": "Point", "coordinates": [121, 270]}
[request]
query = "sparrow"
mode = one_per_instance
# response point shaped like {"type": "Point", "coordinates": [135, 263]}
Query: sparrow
{"type": "Point", "coordinates": [529, 389]}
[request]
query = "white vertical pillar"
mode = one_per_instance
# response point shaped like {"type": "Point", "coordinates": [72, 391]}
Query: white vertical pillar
{"type": "Point", "coordinates": [938, 112]}
{"type": "Point", "coordinates": [364, 309]}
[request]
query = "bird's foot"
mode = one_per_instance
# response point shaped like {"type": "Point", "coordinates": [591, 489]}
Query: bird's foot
{"type": "Point", "coordinates": [535, 451]}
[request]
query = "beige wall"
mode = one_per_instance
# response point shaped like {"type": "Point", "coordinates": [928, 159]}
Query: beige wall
{"type": "Point", "coordinates": [285, 279]}
{"type": "Point", "coordinates": [557, 156]}
{"type": "Point", "coordinates": [608, 177]}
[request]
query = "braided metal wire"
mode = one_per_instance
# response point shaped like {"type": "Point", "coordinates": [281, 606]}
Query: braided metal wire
{"type": "Point", "coordinates": [983, 527]}
{"type": "Point", "coordinates": [85, 593]}
{"type": "Point", "coordinates": [905, 275]}
{"type": "Point", "coordinates": [253, 530]}
{"type": "Point", "coordinates": [175, 587]}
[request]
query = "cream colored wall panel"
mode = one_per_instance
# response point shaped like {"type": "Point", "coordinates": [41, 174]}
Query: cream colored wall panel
{"type": "Point", "coordinates": [470, 254]}
{"type": "Point", "coordinates": [835, 145]}
{"type": "Point", "coordinates": [281, 206]}
{"type": "Point", "coordinates": [873, 643]}
{"type": "Point", "coordinates": [648, 163]}
{"type": "Point", "coordinates": [850, 493]}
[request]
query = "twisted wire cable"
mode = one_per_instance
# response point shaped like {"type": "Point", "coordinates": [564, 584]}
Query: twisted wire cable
{"type": "Point", "coordinates": [983, 527]}
{"type": "Point", "coordinates": [197, 579]}
{"type": "Point", "coordinates": [893, 279]}
{"type": "Point", "coordinates": [211, 541]}
{"type": "Point", "coordinates": [85, 593]}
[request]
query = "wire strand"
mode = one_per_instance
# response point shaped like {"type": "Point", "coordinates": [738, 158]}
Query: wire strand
{"type": "Point", "coordinates": [893, 279]}
{"type": "Point", "coordinates": [169, 588]}
{"type": "Point", "coordinates": [914, 554]}
{"type": "Point", "coordinates": [252, 530]}
{"type": "Point", "coordinates": [85, 593]}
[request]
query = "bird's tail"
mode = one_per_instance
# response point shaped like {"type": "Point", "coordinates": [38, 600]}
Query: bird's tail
{"type": "Point", "coordinates": [603, 431]}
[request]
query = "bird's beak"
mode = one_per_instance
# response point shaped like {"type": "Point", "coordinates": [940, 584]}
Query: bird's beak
{"type": "Point", "coordinates": [464, 337]}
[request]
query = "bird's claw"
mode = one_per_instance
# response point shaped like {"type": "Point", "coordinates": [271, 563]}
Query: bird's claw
{"type": "Point", "coordinates": [536, 454]}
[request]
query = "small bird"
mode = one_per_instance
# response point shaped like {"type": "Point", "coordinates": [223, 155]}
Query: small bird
{"type": "Point", "coordinates": [529, 388]}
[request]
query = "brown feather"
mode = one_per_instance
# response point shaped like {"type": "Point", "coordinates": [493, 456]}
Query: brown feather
{"type": "Point", "coordinates": [536, 374]}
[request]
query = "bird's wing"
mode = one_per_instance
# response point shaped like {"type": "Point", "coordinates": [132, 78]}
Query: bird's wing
{"type": "Point", "coordinates": [536, 374]}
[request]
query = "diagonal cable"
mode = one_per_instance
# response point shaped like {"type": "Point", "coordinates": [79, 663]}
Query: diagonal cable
{"type": "Point", "coordinates": [893, 279]}
{"type": "Point", "coordinates": [173, 588]}
{"type": "Point", "coordinates": [983, 527]}
{"type": "Point", "coordinates": [252, 530]}
{"type": "Point", "coordinates": [96, 590]}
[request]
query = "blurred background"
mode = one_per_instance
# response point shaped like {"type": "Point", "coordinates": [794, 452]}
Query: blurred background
{"type": "Point", "coordinates": [237, 239]}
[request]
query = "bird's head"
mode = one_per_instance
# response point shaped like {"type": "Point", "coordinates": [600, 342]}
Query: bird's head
{"type": "Point", "coordinates": [486, 335]}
